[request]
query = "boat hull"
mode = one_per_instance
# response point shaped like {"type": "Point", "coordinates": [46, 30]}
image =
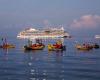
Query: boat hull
{"type": "Point", "coordinates": [34, 47]}
{"type": "Point", "coordinates": [7, 46]}
{"type": "Point", "coordinates": [53, 48]}
{"type": "Point", "coordinates": [79, 47]}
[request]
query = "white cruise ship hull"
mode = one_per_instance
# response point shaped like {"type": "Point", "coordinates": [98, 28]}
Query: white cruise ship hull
{"type": "Point", "coordinates": [44, 36]}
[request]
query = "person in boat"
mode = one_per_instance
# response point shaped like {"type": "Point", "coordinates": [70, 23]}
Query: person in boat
{"type": "Point", "coordinates": [58, 45]}
{"type": "Point", "coordinates": [85, 45]}
{"type": "Point", "coordinates": [29, 42]}
{"type": "Point", "coordinates": [4, 42]}
{"type": "Point", "coordinates": [38, 43]}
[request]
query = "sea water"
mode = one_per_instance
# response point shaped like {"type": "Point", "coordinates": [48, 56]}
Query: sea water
{"type": "Point", "coordinates": [72, 64]}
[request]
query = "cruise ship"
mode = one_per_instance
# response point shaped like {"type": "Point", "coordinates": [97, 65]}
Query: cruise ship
{"type": "Point", "coordinates": [43, 33]}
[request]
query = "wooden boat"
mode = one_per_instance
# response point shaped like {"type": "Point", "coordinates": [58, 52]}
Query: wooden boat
{"type": "Point", "coordinates": [81, 47]}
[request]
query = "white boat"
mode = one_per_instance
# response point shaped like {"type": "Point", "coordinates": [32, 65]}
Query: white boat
{"type": "Point", "coordinates": [97, 36]}
{"type": "Point", "coordinates": [45, 33]}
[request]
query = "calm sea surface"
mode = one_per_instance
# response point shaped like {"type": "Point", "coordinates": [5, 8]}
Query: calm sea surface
{"type": "Point", "coordinates": [17, 64]}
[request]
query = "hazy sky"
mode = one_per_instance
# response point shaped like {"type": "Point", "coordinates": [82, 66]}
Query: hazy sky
{"type": "Point", "coordinates": [77, 16]}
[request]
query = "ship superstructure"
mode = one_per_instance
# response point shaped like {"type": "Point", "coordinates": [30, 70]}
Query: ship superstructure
{"type": "Point", "coordinates": [43, 33]}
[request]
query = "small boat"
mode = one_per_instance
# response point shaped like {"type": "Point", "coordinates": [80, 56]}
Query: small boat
{"type": "Point", "coordinates": [83, 47]}
{"type": "Point", "coordinates": [36, 46]}
{"type": "Point", "coordinates": [57, 46]}
{"type": "Point", "coordinates": [51, 47]}
{"type": "Point", "coordinates": [6, 46]}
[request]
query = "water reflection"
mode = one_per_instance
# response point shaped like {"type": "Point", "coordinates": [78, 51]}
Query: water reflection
{"type": "Point", "coordinates": [5, 56]}
{"type": "Point", "coordinates": [40, 67]}
{"type": "Point", "coordinates": [17, 64]}
{"type": "Point", "coordinates": [32, 51]}
{"type": "Point", "coordinates": [59, 56]}
{"type": "Point", "coordinates": [83, 51]}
